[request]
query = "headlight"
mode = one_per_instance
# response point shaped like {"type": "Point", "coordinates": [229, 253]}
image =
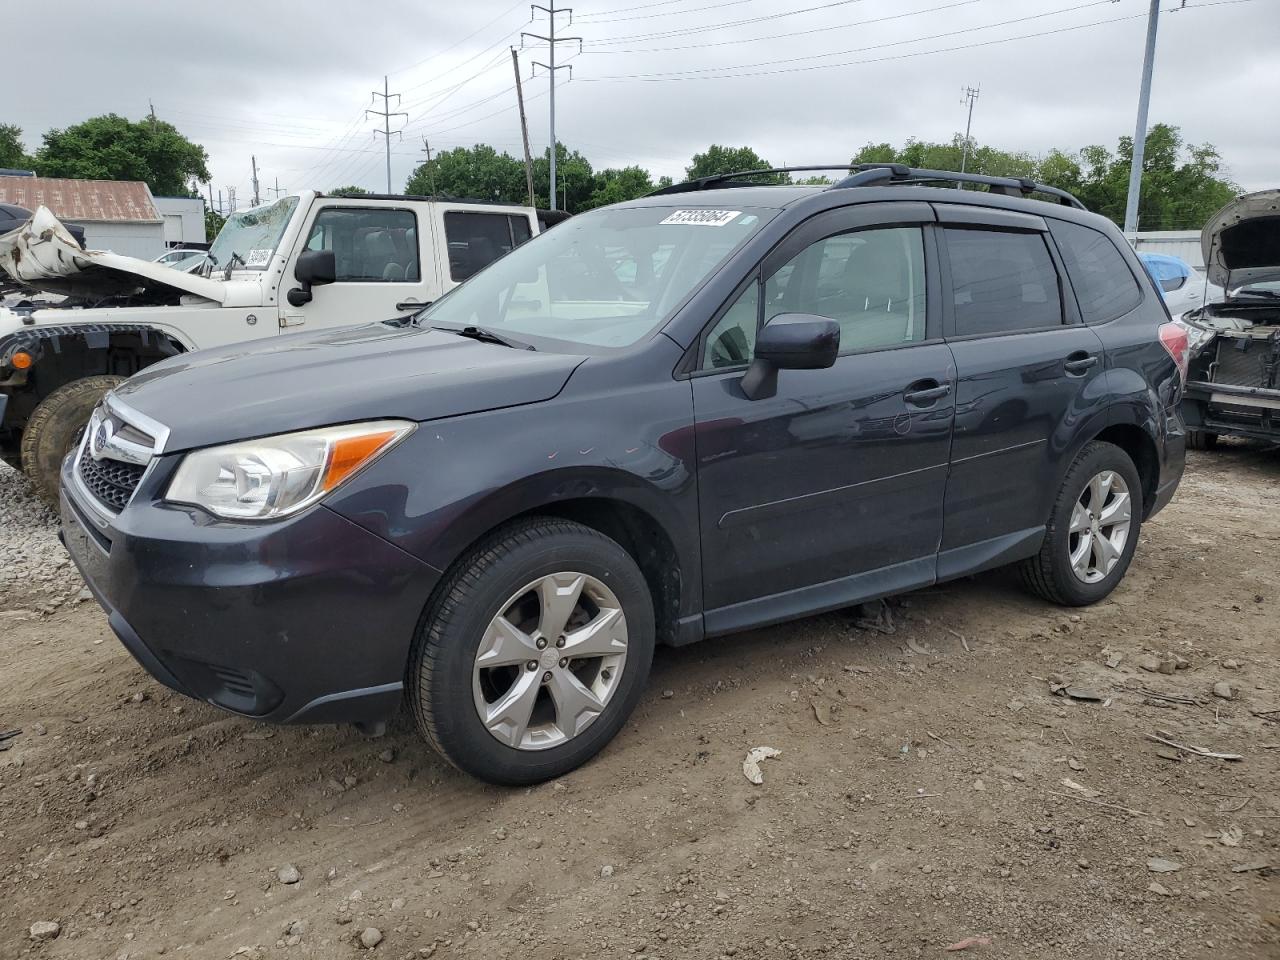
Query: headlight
{"type": "Point", "coordinates": [276, 476]}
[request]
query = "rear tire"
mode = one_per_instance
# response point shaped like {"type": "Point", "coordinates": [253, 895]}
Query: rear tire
{"type": "Point", "coordinates": [1074, 567]}
{"type": "Point", "coordinates": [1200, 440]}
{"type": "Point", "coordinates": [55, 427]}
{"type": "Point", "coordinates": [479, 617]}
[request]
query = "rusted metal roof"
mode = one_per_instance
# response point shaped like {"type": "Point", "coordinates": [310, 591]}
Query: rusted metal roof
{"type": "Point", "coordinates": [106, 201]}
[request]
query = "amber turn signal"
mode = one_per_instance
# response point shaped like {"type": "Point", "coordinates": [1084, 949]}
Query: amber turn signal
{"type": "Point", "coordinates": [21, 360]}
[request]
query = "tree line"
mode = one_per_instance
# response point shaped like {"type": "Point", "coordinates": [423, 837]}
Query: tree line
{"type": "Point", "coordinates": [1183, 184]}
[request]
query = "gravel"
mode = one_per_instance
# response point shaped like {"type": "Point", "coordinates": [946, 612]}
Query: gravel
{"type": "Point", "coordinates": [36, 575]}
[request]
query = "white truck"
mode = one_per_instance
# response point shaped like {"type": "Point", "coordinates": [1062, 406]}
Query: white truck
{"type": "Point", "coordinates": [377, 257]}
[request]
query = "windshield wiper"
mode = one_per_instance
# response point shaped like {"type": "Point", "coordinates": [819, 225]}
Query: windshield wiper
{"type": "Point", "coordinates": [486, 336]}
{"type": "Point", "coordinates": [231, 264]}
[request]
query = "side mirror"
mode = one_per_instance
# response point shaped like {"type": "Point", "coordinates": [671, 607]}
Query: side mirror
{"type": "Point", "coordinates": [790, 341]}
{"type": "Point", "coordinates": [313, 269]}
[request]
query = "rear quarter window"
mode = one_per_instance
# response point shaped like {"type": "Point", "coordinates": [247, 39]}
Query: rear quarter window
{"type": "Point", "coordinates": [1104, 285]}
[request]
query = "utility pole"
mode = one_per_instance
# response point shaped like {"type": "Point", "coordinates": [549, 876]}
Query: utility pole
{"type": "Point", "coordinates": [970, 95]}
{"type": "Point", "coordinates": [277, 189]}
{"type": "Point", "coordinates": [1140, 129]}
{"type": "Point", "coordinates": [220, 213]}
{"type": "Point", "coordinates": [151, 113]}
{"type": "Point", "coordinates": [431, 173]}
{"type": "Point", "coordinates": [211, 207]}
{"type": "Point", "coordinates": [524, 126]}
{"type": "Point", "coordinates": [231, 199]}
{"type": "Point", "coordinates": [386, 114]}
{"type": "Point", "coordinates": [551, 40]}
{"type": "Point", "coordinates": [256, 198]}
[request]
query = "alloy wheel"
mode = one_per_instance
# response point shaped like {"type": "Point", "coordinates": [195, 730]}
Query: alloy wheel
{"type": "Point", "coordinates": [1100, 524]}
{"type": "Point", "coordinates": [550, 661]}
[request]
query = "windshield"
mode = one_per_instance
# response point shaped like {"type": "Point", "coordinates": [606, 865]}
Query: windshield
{"type": "Point", "coordinates": [605, 278]}
{"type": "Point", "coordinates": [253, 234]}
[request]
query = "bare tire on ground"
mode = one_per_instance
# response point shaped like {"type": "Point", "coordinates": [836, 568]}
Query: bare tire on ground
{"type": "Point", "coordinates": [1093, 529]}
{"type": "Point", "coordinates": [534, 652]}
{"type": "Point", "coordinates": [1200, 440]}
{"type": "Point", "coordinates": [55, 427]}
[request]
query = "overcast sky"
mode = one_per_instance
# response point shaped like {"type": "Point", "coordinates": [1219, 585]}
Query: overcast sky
{"type": "Point", "coordinates": [288, 80]}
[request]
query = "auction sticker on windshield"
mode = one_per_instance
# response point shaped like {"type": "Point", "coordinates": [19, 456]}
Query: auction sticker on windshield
{"type": "Point", "coordinates": [257, 258]}
{"type": "Point", "coordinates": [702, 218]}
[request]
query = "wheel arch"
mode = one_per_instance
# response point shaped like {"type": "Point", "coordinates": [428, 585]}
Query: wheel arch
{"type": "Point", "coordinates": [622, 506]}
{"type": "Point", "coordinates": [63, 354]}
{"type": "Point", "coordinates": [1141, 448]}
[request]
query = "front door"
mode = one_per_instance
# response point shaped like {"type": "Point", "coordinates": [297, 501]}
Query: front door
{"type": "Point", "coordinates": [383, 268]}
{"type": "Point", "coordinates": [831, 490]}
{"type": "Point", "coordinates": [1025, 367]}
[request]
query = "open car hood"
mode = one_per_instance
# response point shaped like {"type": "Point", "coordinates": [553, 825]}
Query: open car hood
{"type": "Point", "coordinates": [1241, 242]}
{"type": "Point", "coordinates": [42, 254]}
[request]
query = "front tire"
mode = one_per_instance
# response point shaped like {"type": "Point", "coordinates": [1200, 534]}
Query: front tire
{"type": "Point", "coordinates": [1093, 529]}
{"type": "Point", "coordinates": [55, 426]}
{"type": "Point", "coordinates": [534, 653]}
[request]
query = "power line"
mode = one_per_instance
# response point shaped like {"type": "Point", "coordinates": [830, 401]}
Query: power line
{"type": "Point", "coordinates": [772, 37]}
{"type": "Point", "coordinates": [386, 113]}
{"type": "Point", "coordinates": [684, 31]}
{"type": "Point", "coordinates": [661, 78]}
{"type": "Point", "coordinates": [882, 46]}
{"type": "Point", "coordinates": [587, 17]}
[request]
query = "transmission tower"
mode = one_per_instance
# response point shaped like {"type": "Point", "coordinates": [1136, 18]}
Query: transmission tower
{"type": "Point", "coordinates": [386, 114]}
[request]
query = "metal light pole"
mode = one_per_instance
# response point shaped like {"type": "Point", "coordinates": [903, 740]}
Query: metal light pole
{"type": "Point", "coordinates": [1140, 129]}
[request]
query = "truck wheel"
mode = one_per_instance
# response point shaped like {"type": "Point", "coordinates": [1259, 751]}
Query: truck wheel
{"type": "Point", "coordinates": [534, 653]}
{"type": "Point", "coordinates": [55, 427]}
{"type": "Point", "coordinates": [1200, 440]}
{"type": "Point", "coordinates": [1093, 529]}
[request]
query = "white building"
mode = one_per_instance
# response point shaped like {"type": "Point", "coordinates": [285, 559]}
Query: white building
{"type": "Point", "coordinates": [117, 215]}
{"type": "Point", "coordinates": [1176, 243]}
{"type": "Point", "coordinates": [183, 220]}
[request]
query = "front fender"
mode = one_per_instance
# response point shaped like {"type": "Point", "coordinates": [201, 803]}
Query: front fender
{"type": "Point", "coordinates": [455, 480]}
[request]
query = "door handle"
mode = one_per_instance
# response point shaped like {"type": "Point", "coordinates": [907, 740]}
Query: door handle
{"type": "Point", "coordinates": [1079, 362]}
{"type": "Point", "coordinates": [412, 304]}
{"type": "Point", "coordinates": [926, 395]}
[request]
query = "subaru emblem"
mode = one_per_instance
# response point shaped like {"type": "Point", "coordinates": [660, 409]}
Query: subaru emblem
{"type": "Point", "coordinates": [101, 438]}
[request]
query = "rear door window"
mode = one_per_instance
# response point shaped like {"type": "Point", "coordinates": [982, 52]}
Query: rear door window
{"type": "Point", "coordinates": [477, 239]}
{"type": "Point", "coordinates": [1003, 281]}
{"type": "Point", "coordinates": [1104, 285]}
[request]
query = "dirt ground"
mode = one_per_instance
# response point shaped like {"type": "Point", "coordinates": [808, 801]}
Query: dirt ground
{"type": "Point", "coordinates": [925, 793]}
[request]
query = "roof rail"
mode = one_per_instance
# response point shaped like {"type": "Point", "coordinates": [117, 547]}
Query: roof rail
{"type": "Point", "coordinates": [1009, 186]}
{"type": "Point", "coordinates": [727, 179]}
{"type": "Point", "coordinates": [866, 174]}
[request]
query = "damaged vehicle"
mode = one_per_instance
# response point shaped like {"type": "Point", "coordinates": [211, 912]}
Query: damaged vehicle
{"type": "Point", "coordinates": [1233, 386]}
{"type": "Point", "coordinates": [375, 255]}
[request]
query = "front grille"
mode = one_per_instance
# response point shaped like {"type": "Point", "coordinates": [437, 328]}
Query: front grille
{"type": "Point", "coordinates": [111, 481]}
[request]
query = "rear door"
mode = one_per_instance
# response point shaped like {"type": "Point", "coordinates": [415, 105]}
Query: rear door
{"type": "Point", "coordinates": [474, 238]}
{"type": "Point", "coordinates": [1025, 365]}
{"type": "Point", "coordinates": [832, 489]}
{"type": "Point", "coordinates": [380, 258]}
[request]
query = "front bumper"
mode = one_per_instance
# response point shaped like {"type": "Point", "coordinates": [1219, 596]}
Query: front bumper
{"type": "Point", "coordinates": [1232, 410]}
{"type": "Point", "coordinates": [309, 619]}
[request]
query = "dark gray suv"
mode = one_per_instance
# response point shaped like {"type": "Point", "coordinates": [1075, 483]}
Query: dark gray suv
{"type": "Point", "coordinates": [715, 408]}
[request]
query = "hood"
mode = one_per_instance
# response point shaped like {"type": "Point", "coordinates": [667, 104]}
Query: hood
{"type": "Point", "coordinates": [311, 380]}
{"type": "Point", "coordinates": [43, 254]}
{"type": "Point", "coordinates": [1241, 242]}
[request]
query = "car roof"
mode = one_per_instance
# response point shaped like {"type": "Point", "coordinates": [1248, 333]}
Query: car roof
{"type": "Point", "coordinates": [791, 196]}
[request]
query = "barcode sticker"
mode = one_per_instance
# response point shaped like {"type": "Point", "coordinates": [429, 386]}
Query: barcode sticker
{"type": "Point", "coordinates": [702, 218]}
{"type": "Point", "coordinates": [257, 258]}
